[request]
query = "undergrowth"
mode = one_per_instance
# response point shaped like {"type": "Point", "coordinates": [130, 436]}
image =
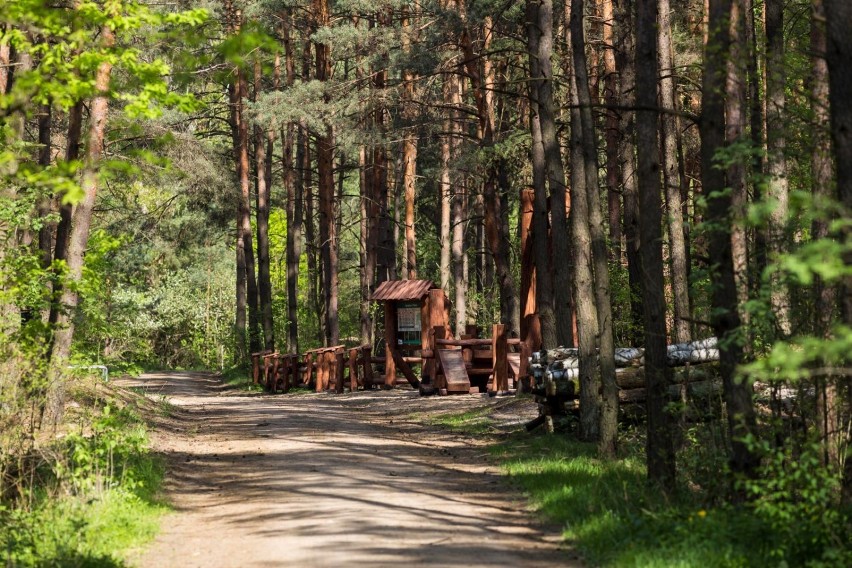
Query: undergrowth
{"type": "Point", "coordinates": [611, 515]}
{"type": "Point", "coordinates": [86, 495]}
{"type": "Point", "coordinates": [614, 518]}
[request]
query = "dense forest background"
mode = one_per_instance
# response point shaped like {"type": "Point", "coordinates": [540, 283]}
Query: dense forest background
{"type": "Point", "coordinates": [186, 183]}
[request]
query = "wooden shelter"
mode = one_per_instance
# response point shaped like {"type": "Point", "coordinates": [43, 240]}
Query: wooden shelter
{"type": "Point", "coordinates": [413, 308]}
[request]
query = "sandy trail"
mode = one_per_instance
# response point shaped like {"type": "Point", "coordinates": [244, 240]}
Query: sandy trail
{"type": "Point", "coordinates": [331, 480]}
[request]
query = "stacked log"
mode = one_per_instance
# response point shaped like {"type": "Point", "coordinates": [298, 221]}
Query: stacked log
{"type": "Point", "coordinates": [695, 377]}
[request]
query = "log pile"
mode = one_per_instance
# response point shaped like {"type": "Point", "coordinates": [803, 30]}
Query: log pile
{"type": "Point", "coordinates": [555, 371]}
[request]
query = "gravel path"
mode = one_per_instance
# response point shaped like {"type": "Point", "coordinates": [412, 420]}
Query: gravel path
{"type": "Point", "coordinates": [331, 480]}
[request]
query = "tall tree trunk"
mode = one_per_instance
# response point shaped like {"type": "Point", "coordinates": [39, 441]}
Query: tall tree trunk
{"type": "Point", "coordinates": [613, 159]}
{"type": "Point", "coordinates": [735, 120]}
{"type": "Point", "coordinates": [603, 306]}
{"type": "Point", "coordinates": [725, 317]}
{"type": "Point", "coordinates": [828, 398]}
{"type": "Point", "coordinates": [80, 224]}
{"type": "Point", "coordinates": [325, 168]}
{"type": "Point", "coordinates": [671, 177]}
{"type": "Point", "coordinates": [72, 152]}
{"type": "Point", "coordinates": [409, 154]}
{"type": "Point", "coordinates": [560, 265]}
{"type": "Point", "coordinates": [244, 170]}
{"type": "Point", "coordinates": [776, 162]}
{"type": "Point", "coordinates": [264, 282]}
{"type": "Point", "coordinates": [541, 224]}
{"type": "Point", "coordinates": [660, 449]}
{"type": "Point", "coordinates": [838, 55]}
{"type": "Point", "coordinates": [294, 188]}
{"type": "Point", "coordinates": [584, 282]}
{"type": "Point", "coordinates": [46, 234]}
{"type": "Point", "coordinates": [624, 42]}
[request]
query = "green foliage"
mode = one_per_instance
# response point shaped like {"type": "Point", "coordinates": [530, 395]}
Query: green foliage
{"type": "Point", "coordinates": [94, 496]}
{"type": "Point", "coordinates": [614, 519]}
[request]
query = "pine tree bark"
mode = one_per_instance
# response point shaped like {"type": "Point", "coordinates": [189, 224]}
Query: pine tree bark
{"type": "Point", "coordinates": [838, 55]}
{"type": "Point", "coordinates": [325, 190]}
{"type": "Point", "coordinates": [658, 377]}
{"type": "Point", "coordinates": [561, 268]}
{"type": "Point", "coordinates": [244, 216]}
{"type": "Point", "coordinates": [46, 234]}
{"type": "Point", "coordinates": [81, 222]}
{"type": "Point", "coordinates": [294, 188]}
{"type": "Point", "coordinates": [613, 159]}
{"type": "Point", "coordinates": [263, 154]}
{"type": "Point", "coordinates": [828, 399]}
{"type": "Point", "coordinates": [409, 154]}
{"type": "Point", "coordinates": [541, 224]}
{"type": "Point", "coordinates": [72, 152]}
{"type": "Point", "coordinates": [725, 317]}
{"type": "Point", "coordinates": [776, 162]}
{"type": "Point", "coordinates": [600, 269]}
{"type": "Point", "coordinates": [625, 42]}
{"type": "Point", "coordinates": [735, 122]}
{"type": "Point", "coordinates": [671, 177]}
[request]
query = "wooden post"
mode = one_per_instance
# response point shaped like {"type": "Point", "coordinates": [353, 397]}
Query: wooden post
{"type": "Point", "coordinates": [338, 370]}
{"type": "Point", "coordinates": [439, 332]}
{"type": "Point", "coordinates": [366, 359]}
{"type": "Point", "coordinates": [499, 351]}
{"type": "Point", "coordinates": [255, 367]}
{"type": "Point", "coordinates": [285, 373]}
{"type": "Point", "coordinates": [427, 368]}
{"type": "Point", "coordinates": [528, 275]}
{"type": "Point", "coordinates": [322, 372]}
{"type": "Point", "coordinates": [276, 365]}
{"type": "Point", "coordinates": [309, 368]}
{"type": "Point", "coordinates": [353, 369]}
{"type": "Point", "coordinates": [390, 343]}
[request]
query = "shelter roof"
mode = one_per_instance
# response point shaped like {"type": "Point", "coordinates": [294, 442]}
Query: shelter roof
{"type": "Point", "coordinates": [402, 290]}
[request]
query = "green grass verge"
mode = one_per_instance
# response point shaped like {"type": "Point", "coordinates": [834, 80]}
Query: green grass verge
{"type": "Point", "coordinates": [614, 519]}
{"type": "Point", "coordinates": [95, 498]}
{"type": "Point", "coordinates": [475, 421]}
{"type": "Point", "coordinates": [239, 377]}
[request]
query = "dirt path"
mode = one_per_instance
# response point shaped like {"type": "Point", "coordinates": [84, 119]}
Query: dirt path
{"type": "Point", "coordinates": [331, 480]}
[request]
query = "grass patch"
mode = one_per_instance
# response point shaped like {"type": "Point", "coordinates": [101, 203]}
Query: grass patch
{"type": "Point", "coordinates": [239, 377]}
{"type": "Point", "coordinates": [614, 519]}
{"type": "Point", "coordinates": [474, 421]}
{"type": "Point", "coordinates": [93, 492]}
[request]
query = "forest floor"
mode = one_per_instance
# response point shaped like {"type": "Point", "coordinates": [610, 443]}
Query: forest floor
{"type": "Point", "coordinates": [360, 479]}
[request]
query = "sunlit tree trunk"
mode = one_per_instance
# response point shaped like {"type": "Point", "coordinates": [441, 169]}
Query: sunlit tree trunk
{"type": "Point", "coordinates": [725, 317]}
{"type": "Point", "coordinates": [264, 283]}
{"type": "Point", "coordinates": [541, 224]}
{"type": "Point", "coordinates": [660, 449]}
{"type": "Point", "coordinates": [81, 222]}
{"type": "Point", "coordinates": [671, 177]}
{"type": "Point", "coordinates": [838, 55]}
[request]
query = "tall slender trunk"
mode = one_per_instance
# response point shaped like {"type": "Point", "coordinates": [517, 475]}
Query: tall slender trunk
{"type": "Point", "coordinates": [671, 177]}
{"type": "Point", "coordinates": [838, 17]}
{"type": "Point", "coordinates": [660, 449]}
{"type": "Point", "coordinates": [262, 155]}
{"type": "Point", "coordinates": [325, 168]}
{"type": "Point", "coordinates": [409, 155]}
{"type": "Point", "coordinates": [828, 397]}
{"type": "Point", "coordinates": [594, 218]}
{"type": "Point", "coordinates": [72, 152]}
{"type": "Point", "coordinates": [294, 188]}
{"type": "Point", "coordinates": [735, 121]}
{"type": "Point", "coordinates": [776, 162]}
{"type": "Point", "coordinates": [613, 159]}
{"type": "Point", "coordinates": [560, 264]}
{"type": "Point", "coordinates": [624, 42]}
{"type": "Point", "coordinates": [243, 169]}
{"type": "Point", "coordinates": [541, 224]}
{"type": "Point", "coordinates": [80, 224]}
{"type": "Point", "coordinates": [725, 317]}
{"type": "Point", "coordinates": [46, 207]}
